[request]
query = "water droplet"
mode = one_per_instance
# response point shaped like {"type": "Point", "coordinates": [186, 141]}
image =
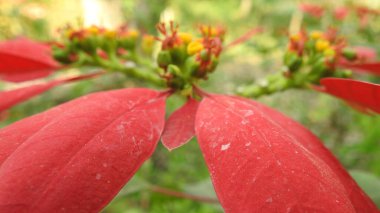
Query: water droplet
{"type": "Point", "coordinates": [248, 143]}
{"type": "Point", "coordinates": [105, 165]}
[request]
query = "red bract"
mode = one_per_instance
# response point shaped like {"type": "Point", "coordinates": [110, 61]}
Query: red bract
{"type": "Point", "coordinates": [341, 13]}
{"type": "Point", "coordinates": [74, 159]}
{"type": "Point", "coordinates": [261, 161]}
{"type": "Point", "coordinates": [13, 97]}
{"type": "Point", "coordinates": [363, 94]}
{"type": "Point", "coordinates": [179, 128]}
{"type": "Point", "coordinates": [78, 155]}
{"type": "Point", "coordinates": [312, 9]}
{"type": "Point", "coordinates": [373, 68]}
{"type": "Point", "coordinates": [23, 59]}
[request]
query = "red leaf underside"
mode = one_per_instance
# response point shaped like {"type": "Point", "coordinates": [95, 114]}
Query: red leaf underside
{"type": "Point", "coordinates": [23, 60]}
{"type": "Point", "coordinates": [366, 95]}
{"type": "Point", "coordinates": [77, 156]}
{"type": "Point", "coordinates": [262, 161]}
{"type": "Point", "coordinates": [372, 68]}
{"type": "Point", "coordinates": [11, 98]}
{"type": "Point", "coordinates": [179, 128]}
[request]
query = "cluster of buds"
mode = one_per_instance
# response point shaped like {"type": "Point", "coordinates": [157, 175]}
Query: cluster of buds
{"type": "Point", "coordinates": [185, 59]}
{"type": "Point", "coordinates": [99, 42]}
{"type": "Point", "coordinates": [318, 53]}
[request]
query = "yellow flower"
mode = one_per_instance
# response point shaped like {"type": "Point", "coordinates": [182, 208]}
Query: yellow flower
{"type": "Point", "coordinates": [93, 30]}
{"type": "Point", "coordinates": [185, 37]}
{"type": "Point", "coordinates": [194, 47]}
{"type": "Point", "coordinates": [322, 45]}
{"type": "Point", "coordinates": [133, 33]}
{"type": "Point", "coordinates": [316, 35]}
{"type": "Point", "coordinates": [110, 34]}
{"type": "Point", "coordinates": [295, 37]}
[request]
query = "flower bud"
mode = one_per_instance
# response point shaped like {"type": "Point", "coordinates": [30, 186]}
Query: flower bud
{"type": "Point", "coordinates": [349, 54]}
{"type": "Point", "coordinates": [164, 58]}
{"type": "Point", "coordinates": [292, 61]}
{"type": "Point", "coordinates": [192, 65]}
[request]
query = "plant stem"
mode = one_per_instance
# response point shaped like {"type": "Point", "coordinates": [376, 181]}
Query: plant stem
{"type": "Point", "coordinates": [271, 84]}
{"type": "Point", "coordinates": [132, 71]}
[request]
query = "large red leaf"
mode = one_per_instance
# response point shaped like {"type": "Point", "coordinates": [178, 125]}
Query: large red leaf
{"type": "Point", "coordinates": [77, 156]}
{"type": "Point", "coordinates": [23, 59]}
{"type": "Point", "coordinates": [262, 161]}
{"type": "Point", "coordinates": [179, 128]}
{"type": "Point", "coordinates": [13, 97]}
{"type": "Point", "coordinates": [366, 95]}
{"type": "Point", "coordinates": [372, 68]}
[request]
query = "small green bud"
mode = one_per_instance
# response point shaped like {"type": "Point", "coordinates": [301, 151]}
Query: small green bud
{"type": "Point", "coordinates": [349, 54]}
{"type": "Point", "coordinates": [292, 61]}
{"type": "Point", "coordinates": [192, 65]}
{"type": "Point", "coordinates": [61, 55]}
{"type": "Point", "coordinates": [178, 55]}
{"type": "Point", "coordinates": [173, 69]}
{"type": "Point", "coordinates": [205, 56]}
{"type": "Point", "coordinates": [213, 64]}
{"type": "Point", "coordinates": [164, 58]}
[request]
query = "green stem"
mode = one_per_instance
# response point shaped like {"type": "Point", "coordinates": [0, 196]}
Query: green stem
{"type": "Point", "coordinates": [134, 72]}
{"type": "Point", "coordinates": [270, 85]}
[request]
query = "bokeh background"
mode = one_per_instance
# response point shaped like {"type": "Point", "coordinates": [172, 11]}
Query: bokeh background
{"type": "Point", "coordinates": [167, 177]}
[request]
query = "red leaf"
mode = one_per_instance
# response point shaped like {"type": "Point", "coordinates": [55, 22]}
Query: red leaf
{"type": "Point", "coordinates": [262, 161]}
{"type": "Point", "coordinates": [360, 93]}
{"type": "Point", "coordinates": [373, 68]}
{"type": "Point", "coordinates": [179, 128]}
{"type": "Point", "coordinates": [13, 97]}
{"type": "Point", "coordinates": [77, 156]}
{"type": "Point", "coordinates": [340, 13]}
{"type": "Point", "coordinates": [313, 10]}
{"type": "Point", "coordinates": [23, 59]}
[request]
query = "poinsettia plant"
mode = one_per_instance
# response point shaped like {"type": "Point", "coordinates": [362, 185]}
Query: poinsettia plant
{"type": "Point", "coordinates": [76, 156]}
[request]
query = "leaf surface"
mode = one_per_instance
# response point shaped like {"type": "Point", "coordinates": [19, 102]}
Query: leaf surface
{"type": "Point", "coordinates": [363, 94]}
{"type": "Point", "coordinates": [372, 68]}
{"type": "Point", "coordinates": [11, 98]}
{"type": "Point", "coordinates": [23, 59]}
{"type": "Point", "coordinates": [77, 156]}
{"type": "Point", "coordinates": [179, 128]}
{"type": "Point", "coordinates": [262, 161]}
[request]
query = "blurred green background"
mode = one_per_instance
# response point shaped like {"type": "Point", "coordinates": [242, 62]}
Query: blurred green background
{"type": "Point", "coordinates": [167, 176]}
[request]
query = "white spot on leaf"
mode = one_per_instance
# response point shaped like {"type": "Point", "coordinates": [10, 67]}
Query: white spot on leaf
{"type": "Point", "coordinates": [225, 147]}
{"type": "Point", "coordinates": [269, 200]}
{"type": "Point", "coordinates": [98, 176]}
{"type": "Point", "coordinates": [244, 122]}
